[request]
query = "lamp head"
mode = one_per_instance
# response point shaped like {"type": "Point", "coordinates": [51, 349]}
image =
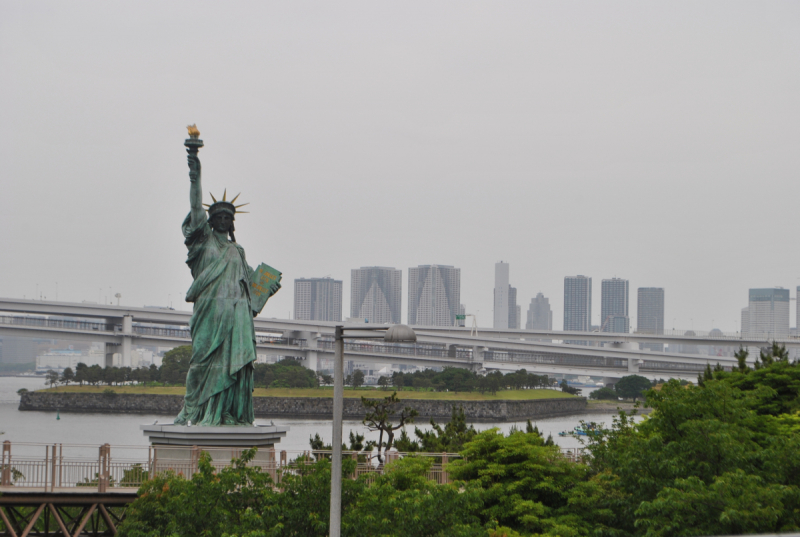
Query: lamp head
{"type": "Point", "coordinates": [400, 333]}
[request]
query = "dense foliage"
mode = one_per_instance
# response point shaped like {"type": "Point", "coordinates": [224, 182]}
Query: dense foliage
{"type": "Point", "coordinates": [720, 458]}
{"type": "Point", "coordinates": [288, 373]}
{"type": "Point", "coordinates": [455, 379]}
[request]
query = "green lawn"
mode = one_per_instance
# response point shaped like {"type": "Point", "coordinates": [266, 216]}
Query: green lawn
{"type": "Point", "coordinates": [515, 395]}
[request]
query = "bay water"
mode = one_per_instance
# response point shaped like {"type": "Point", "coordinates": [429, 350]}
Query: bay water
{"type": "Point", "coordinates": [123, 429]}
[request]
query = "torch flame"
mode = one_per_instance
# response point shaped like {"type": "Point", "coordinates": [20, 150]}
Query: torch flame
{"type": "Point", "coordinates": [193, 132]}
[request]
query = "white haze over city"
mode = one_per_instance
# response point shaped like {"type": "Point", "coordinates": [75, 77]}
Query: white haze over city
{"type": "Point", "coordinates": [657, 142]}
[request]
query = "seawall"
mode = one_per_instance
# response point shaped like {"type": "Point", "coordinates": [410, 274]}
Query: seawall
{"type": "Point", "coordinates": [301, 407]}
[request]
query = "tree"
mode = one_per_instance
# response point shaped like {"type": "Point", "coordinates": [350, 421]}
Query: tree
{"type": "Point", "coordinates": [358, 378]}
{"type": "Point", "coordinates": [632, 386]}
{"type": "Point", "coordinates": [175, 365]}
{"type": "Point", "coordinates": [403, 502]}
{"type": "Point", "coordinates": [383, 382]}
{"type": "Point", "coordinates": [81, 373]}
{"type": "Point", "coordinates": [604, 394]}
{"type": "Point", "coordinates": [378, 418]}
{"type": "Point", "coordinates": [741, 357]}
{"type": "Point", "coordinates": [524, 482]}
{"type": "Point", "coordinates": [67, 375]}
{"type": "Point", "coordinates": [450, 438]}
{"type": "Point", "coordinates": [238, 499]}
{"type": "Point", "coordinates": [569, 389]}
{"type": "Point", "coordinates": [287, 373]}
{"type": "Point", "coordinates": [51, 377]}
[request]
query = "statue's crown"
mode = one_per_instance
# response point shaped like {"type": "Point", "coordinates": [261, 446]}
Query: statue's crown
{"type": "Point", "coordinates": [223, 205]}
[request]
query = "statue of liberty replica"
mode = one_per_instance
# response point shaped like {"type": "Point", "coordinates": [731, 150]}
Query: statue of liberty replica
{"type": "Point", "coordinates": [227, 293]}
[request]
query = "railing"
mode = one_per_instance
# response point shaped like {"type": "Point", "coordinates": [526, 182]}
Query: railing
{"type": "Point", "coordinates": [277, 340]}
{"type": "Point", "coordinates": [182, 333]}
{"type": "Point", "coordinates": [84, 468]}
{"type": "Point", "coordinates": [547, 358]}
{"type": "Point", "coordinates": [56, 323]}
{"type": "Point", "coordinates": [716, 334]}
{"type": "Point", "coordinates": [414, 349]}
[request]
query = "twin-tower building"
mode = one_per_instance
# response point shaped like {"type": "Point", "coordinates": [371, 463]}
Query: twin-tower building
{"type": "Point", "coordinates": [434, 296]}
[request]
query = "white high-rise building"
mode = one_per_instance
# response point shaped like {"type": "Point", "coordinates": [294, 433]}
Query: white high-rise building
{"type": "Point", "coordinates": [501, 288]}
{"type": "Point", "coordinates": [614, 306]}
{"type": "Point", "coordinates": [375, 294]}
{"type": "Point", "coordinates": [318, 299]}
{"type": "Point", "coordinates": [768, 313]}
{"type": "Point", "coordinates": [746, 322]}
{"type": "Point", "coordinates": [577, 303]}
{"type": "Point", "coordinates": [434, 295]}
{"type": "Point", "coordinates": [650, 315]}
{"type": "Point", "coordinates": [506, 311]}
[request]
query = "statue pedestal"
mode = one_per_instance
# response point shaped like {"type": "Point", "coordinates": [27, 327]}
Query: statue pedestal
{"type": "Point", "coordinates": [242, 437]}
{"type": "Point", "coordinates": [178, 447]}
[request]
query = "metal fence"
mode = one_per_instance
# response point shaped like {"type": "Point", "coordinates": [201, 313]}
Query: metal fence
{"type": "Point", "coordinates": [51, 467]}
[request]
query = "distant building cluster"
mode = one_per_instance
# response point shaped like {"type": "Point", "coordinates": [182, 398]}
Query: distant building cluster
{"type": "Point", "coordinates": [434, 299]}
{"type": "Point", "coordinates": [434, 296]}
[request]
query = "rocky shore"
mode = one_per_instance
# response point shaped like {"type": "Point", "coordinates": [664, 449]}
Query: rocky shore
{"type": "Point", "coordinates": [301, 407]}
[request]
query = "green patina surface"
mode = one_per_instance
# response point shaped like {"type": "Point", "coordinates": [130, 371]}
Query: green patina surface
{"type": "Point", "coordinates": [219, 384]}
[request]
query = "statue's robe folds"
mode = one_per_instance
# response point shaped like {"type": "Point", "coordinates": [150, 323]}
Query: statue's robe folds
{"type": "Point", "coordinates": [219, 385]}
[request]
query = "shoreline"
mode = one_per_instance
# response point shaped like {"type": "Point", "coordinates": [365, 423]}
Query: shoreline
{"type": "Point", "coordinates": [303, 407]}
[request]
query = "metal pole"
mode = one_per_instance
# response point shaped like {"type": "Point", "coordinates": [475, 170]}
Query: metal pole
{"type": "Point", "coordinates": [338, 410]}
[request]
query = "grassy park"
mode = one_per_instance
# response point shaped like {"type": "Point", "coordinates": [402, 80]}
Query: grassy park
{"type": "Point", "coordinates": [326, 391]}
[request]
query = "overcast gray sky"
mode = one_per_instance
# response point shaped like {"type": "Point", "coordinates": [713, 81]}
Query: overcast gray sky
{"type": "Point", "coordinates": [656, 142]}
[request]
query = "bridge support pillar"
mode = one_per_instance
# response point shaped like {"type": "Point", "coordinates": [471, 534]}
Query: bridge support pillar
{"type": "Point", "coordinates": [311, 361]}
{"type": "Point", "coordinates": [477, 358]}
{"type": "Point", "coordinates": [127, 340]}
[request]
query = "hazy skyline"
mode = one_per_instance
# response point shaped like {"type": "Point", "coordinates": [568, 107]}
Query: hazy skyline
{"type": "Point", "coordinates": [652, 142]}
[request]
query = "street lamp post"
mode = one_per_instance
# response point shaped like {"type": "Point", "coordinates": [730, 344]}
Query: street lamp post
{"type": "Point", "coordinates": [398, 333]}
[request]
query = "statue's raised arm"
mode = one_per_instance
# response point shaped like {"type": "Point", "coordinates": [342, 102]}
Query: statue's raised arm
{"type": "Point", "coordinates": [193, 145]}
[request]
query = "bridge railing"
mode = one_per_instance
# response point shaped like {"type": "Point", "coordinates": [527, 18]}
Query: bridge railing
{"type": "Point", "coordinates": [277, 340]}
{"type": "Point", "coordinates": [182, 333]}
{"type": "Point", "coordinates": [546, 358]}
{"type": "Point", "coordinates": [55, 323]}
{"type": "Point", "coordinates": [410, 349]}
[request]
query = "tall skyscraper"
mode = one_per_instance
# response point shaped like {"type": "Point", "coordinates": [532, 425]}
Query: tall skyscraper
{"type": "Point", "coordinates": [434, 295]}
{"type": "Point", "coordinates": [746, 322]}
{"type": "Point", "coordinates": [506, 311]}
{"type": "Point", "coordinates": [317, 299]}
{"type": "Point", "coordinates": [577, 303]}
{"type": "Point", "coordinates": [500, 295]}
{"type": "Point", "coordinates": [614, 306]}
{"type": "Point", "coordinates": [769, 313]}
{"type": "Point", "coordinates": [650, 314]}
{"type": "Point", "coordinates": [540, 316]}
{"type": "Point", "coordinates": [375, 294]}
{"type": "Point", "coordinates": [513, 309]}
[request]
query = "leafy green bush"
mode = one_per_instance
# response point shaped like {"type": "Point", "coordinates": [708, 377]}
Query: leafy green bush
{"type": "Point", "coordinates": [604, 394]}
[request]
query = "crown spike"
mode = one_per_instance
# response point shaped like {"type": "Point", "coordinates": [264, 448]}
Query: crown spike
{"type": "Point", "coordinates": [237, 195]}
{"type": "Point", "coordinates": [213, 198]}
{"type": "Point", "coordinates": [225, 194]}
{"type": "Point", "coordinates": [242, 205]}
{"type": "Point", "coordinates": [206, 205]}
{"type": "Point", "coordinates": [242, 212]}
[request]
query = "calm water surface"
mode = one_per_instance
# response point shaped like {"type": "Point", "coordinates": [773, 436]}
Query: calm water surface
{"type": "Point", "coordinates": [123, 429]}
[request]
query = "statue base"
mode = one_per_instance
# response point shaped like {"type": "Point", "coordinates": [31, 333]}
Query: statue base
{"type": "Point", "coordinates": [178, 447]}
{"type": "Point", "coordinates": [242, 437]}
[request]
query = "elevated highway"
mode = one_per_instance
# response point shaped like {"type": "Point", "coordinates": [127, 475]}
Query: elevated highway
{"type": "Point", "coordinates": [122, 327]}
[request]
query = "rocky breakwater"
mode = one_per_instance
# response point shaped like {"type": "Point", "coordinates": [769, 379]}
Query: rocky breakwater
{"type": "Point", "coordinates": [303, 407]}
